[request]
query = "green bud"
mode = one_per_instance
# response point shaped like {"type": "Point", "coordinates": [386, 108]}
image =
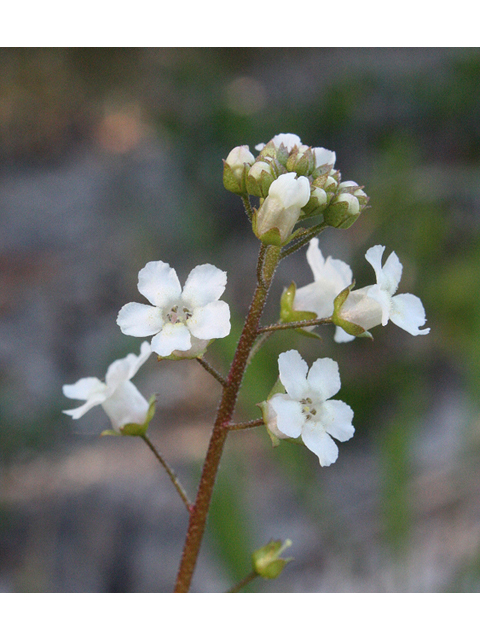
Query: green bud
{"type": "Point", "coordinates": [260, 176]}
{"type": "Point", "coordinates": [344, 209]}
{"type": "Point", "coordinates": [301, 161]}
{"type": "Point", "coordinates": [266, 561]}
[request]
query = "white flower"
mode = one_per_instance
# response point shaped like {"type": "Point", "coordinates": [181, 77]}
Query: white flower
{"type": "Point", "coordinates": [120, 398]}
{"type": "Point", "coordinates": [324, 157]}
{"type": "Point", "coordinates": [305, 409]}
{"type": "Point", "coordinates": [282, 207]}
{"type": "Point", "coordinates": [289, 140]}
{"type": "Point", "coordinates": [330, 277]}
{"type": "Point", "coordinates": [182, 322]}
{"type": "Point", "coordinates": [377, 304]}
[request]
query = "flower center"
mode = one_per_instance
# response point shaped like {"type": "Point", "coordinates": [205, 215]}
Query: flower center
{"type": "Point", "coordinates": [308, 408]}
{"type": "Point", "coordinates": [178, 314]}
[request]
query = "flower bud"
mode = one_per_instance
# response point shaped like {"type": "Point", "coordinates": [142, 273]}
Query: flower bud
{"type": "Point", "coordinates": [324, 158]}
{"type": "Point", "coordinates": [343, 211]}
{"type": "Point", "coordinates": [274, 221]}
{"type": "Point", "coordinates": [266, 561]}
{"type": "Point", "coordinates": [319, 201]}
{"type": "Point", "coordinates": [260, 176]}
{"type": "Point", "coordinates": [235, 169]}
{"type": "Point", "coordinates": [349, 186]}
{"type": "Point", "coordinates": [301, 161]}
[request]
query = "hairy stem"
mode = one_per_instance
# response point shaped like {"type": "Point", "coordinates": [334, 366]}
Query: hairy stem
{"type": "Point", "coordinates": [268, 261]}
{"type": "Point", "coordinates": [175, 481]}
{"type": "Point", "coordinates": [300, 324]}
{"type": "Point", "coordinates": [301, 240]}
{"type": "Point", "coordinates": [213, 372]}
{"type": "Point", "coordinates": [238, 426]}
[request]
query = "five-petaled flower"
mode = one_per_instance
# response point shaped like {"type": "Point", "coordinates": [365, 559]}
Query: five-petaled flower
{"type": "Point", "coordinates": [121, 400]}
{"type": "Point", "coordinates": [182, 322]}
{"type": "Point", "coordinates": [305, 410]}
{"type": "Point", "coordinates": [377, 304]}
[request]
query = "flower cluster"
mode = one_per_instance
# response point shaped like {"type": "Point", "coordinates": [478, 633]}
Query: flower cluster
{"type": "Point", "coordinates": [294, 182]}
{"type": "Point", "coordinates": [182, 322]}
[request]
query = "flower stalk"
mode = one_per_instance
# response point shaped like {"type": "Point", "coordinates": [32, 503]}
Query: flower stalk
{"type": "Point", "coordinates": [268, 261]}
{"type": "Point", "coordinates": [171, 474]}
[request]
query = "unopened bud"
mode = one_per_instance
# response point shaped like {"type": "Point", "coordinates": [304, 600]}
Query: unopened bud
{"type": "Point", "coordinates": [260, 176]}
{"type": "Point", "coordinates": [266, 561]}
{"type": "Point", "coordinates": [274, 221]}
{"type": "Point", "coordinates": [235, 169]}
{"type": "Point", "coordinates": [301, 161]}
{"type": "Point", "coordinates": [343, 211]}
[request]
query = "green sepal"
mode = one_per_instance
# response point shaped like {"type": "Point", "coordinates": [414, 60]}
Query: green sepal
{"type": "Point", "coordinates": [232, 182]}
{"type": "Point", "coordinates": [132, 428]}
{"type": "Point", "coordinates": [351, 328]}
{"type": "Point", "coordinates": [266, 561]}
{"type": "Point", "coordinates": [338, 216]}
{"type": "Point", "coordinates": [273, 236]}
{"type": "Point", "coordinates": [289, 314]}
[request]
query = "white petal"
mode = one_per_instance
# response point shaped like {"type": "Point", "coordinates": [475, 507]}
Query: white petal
{"type": "Point", "coordinates": [290, 417]}
{"type": "Point", "coordinates": [126, 405]}
{"type": "Point", "coordinates": [315, 259]}
{"type": "Point", "coordinates": [314, 297]}
{"type": "Point", "coordinates": [289, 140]}
{"type": "Point", "coordinates": [135, 362]}
{"type": "Point", "coordinates": [320, 443]}
{"type": "Point", "coordinates": [82, 410]}
{"type": "Point", "coordinates": [408, 314]}
{"type": "Point", "coordinates": [392, 273]}
{"type": "Point", "coordinates": [374, 257]}
{"type": "Point", "coordinates": [324, 156]}
{"type": "Point", "coordinates": [293, 374]}
{"type": "Point", "coordinates": [324, 378]}
{"type": "Point", "coordinates": [364, 310]}
{"type": "Point", "coordinates": [337, 419]}
{"type": "Point", "coordinates": [212, 321]}
{"type": "Point", "coordinates": [159, 283]}
{"type": "Point", "coordinates": [342, 336]}
{"type": "Point", "coordinates": [205, 284]}
{"type": "Point", "coordinates": [384, 300]}
{"type": "Point", "coordinates": [125, 368]}
{"type": "Point", "coordinates": [83, 389]}
{"type": "Point", "coordinates": [139, 320]}
{"type": "Point", "coordinates": [171, 338]}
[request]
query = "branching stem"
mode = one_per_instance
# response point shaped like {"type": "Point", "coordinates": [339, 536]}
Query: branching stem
{"type": "Point", "coordinates": [243, 583]}
{"type": "Point", "coordinates": [294, 325]}
{"type": "Point", "coordinates": [213, 372]}
{"type": "Point", "coordinates": [171, 474]}
{"type": "Point", "coordinates": [238, 426]}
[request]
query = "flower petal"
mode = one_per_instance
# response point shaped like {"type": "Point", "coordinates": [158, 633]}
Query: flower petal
{"type": "Point", "coordinates": [139, 320]}
{"type": "Point", "coordinates": [389, 275]}
{"type": "Point", "coordinates": [408, 314]}
{"type": "Point", "coordinates": [384, 299]}
{"type": "Point", "coordinates": [337, 419]}
{"type": "Point", "coordinates": [324, 378]}
{"type": "Point", "coordinates": [293, 374]}
{"type": "Point", "coordinates": [171, 338]}
{"type": "Point", "coordinates": [342, 336]}
{"type": "Point", "coordinates": [83, 388]}
{"type": "Point", "coordinates": [320, 443]}
{"type": "Point", "coordinates": [392, 273]}
{"type": "Point", "coordinates": [158, 282]}
{"type": "Point", "coordinates": [205, 284]}
{"type": "Point", "coordinates": [125, 368]}
{"type": "Point", "coordinates": [211, 321]}
{"type": "Point", "coordinates": [126, 405]}
{"type": "Point", "coordinates": [290, 418]}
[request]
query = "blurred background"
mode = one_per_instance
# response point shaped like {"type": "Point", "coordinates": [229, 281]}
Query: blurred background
{"type": "Point", "coordinates": [110, 158]}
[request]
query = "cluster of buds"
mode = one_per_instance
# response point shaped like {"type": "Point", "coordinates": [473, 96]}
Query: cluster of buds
{"type": "Point", "coordinates": [294, 182]}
